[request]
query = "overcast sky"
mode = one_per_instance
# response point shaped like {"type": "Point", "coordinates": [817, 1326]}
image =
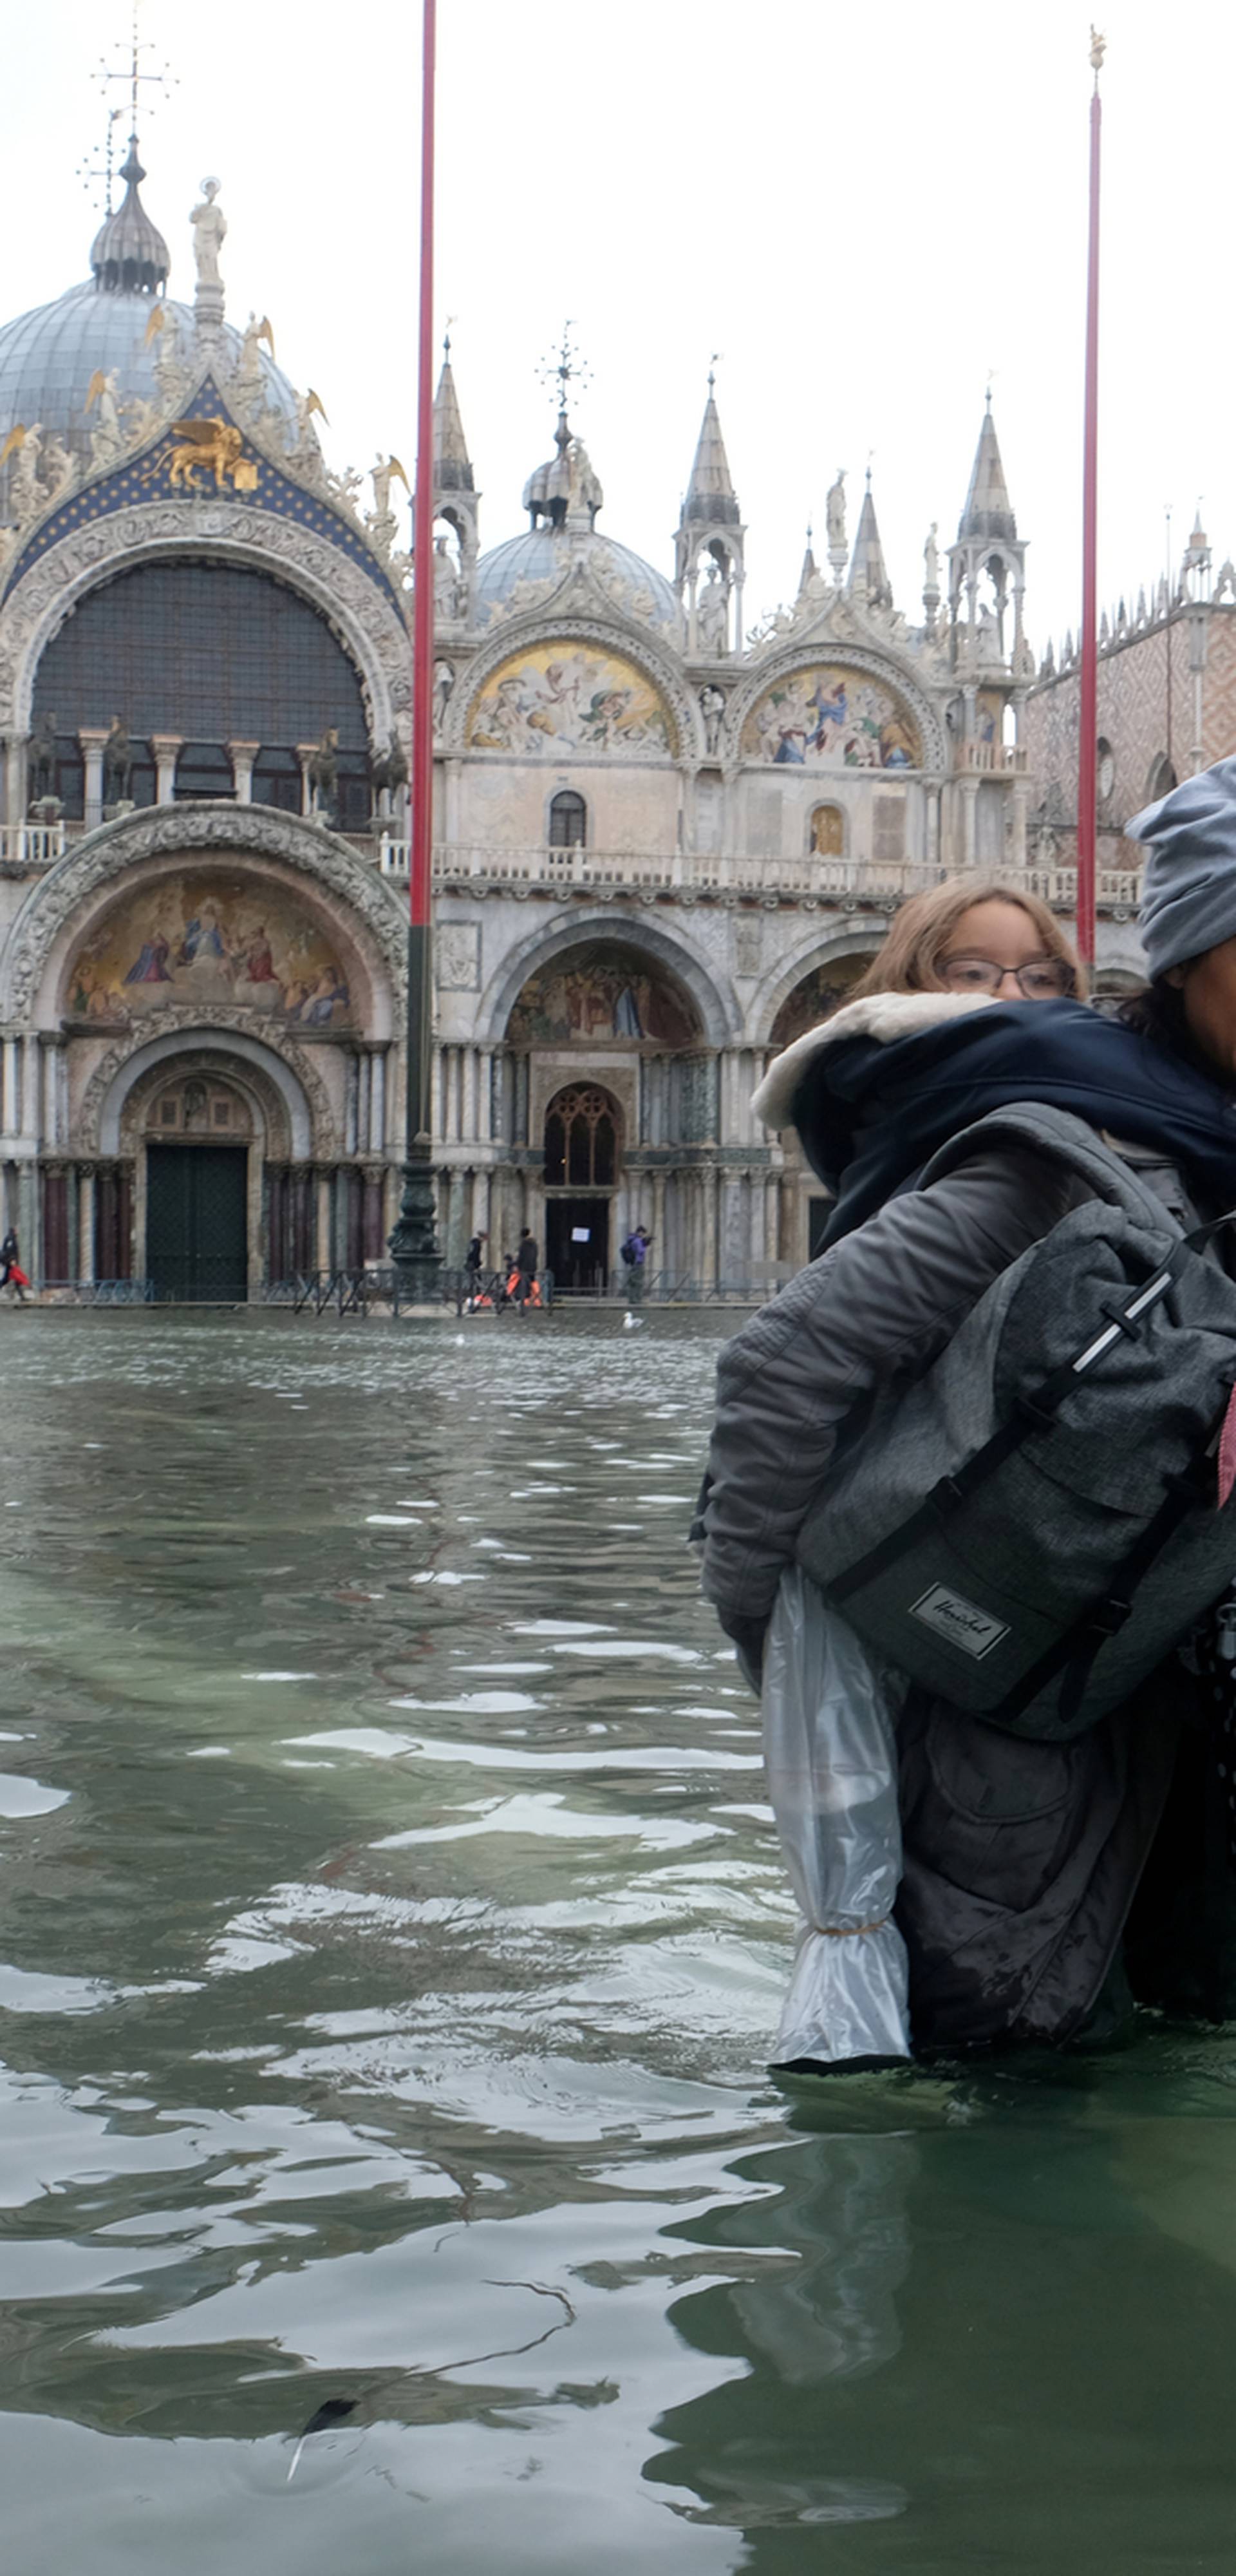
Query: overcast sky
{"type": "Point", "coordinates": [866, 215]}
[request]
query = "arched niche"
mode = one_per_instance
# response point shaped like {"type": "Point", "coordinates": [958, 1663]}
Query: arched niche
{"type": "Point", "coordinates": [603, 992]}
{"type": "Point", "coordinates": [817, 994]}
{"type": "Point", "coordinates": [833, 715]}
{"type": "Point", "coordinates": [582, 1138]}
{"type": "Point", "coordinates": [205, 936]}
{"type": "Point", "coordinates": [571, 695]}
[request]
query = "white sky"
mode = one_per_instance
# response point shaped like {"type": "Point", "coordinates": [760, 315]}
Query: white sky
{"type": "Point", "coordinates": [864, 215]}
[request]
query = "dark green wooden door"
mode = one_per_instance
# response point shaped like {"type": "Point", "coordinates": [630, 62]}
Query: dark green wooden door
{"type": "Point", "coordinates": [196, 1229]}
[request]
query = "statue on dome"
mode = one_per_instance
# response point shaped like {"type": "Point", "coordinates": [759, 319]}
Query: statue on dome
{"type": "Point", "coordinates": [26, 494]}
{"type": "Point", "coordinates": [834, 512]}
{"type": "Point", "coordinates": [59, 469]}
{"type": "Point", "coordinates": [209, 234]}
{"type": "Point", "coordinates": [249, 363]}
{"type": "Point", "coordinates": [931, 562]}
{"type": "Point", "coordinates": [107, 437]}
{"type": "Point", "coordinates": [713, 613]}
{"type": "Point", "coordinates": [382, 473]}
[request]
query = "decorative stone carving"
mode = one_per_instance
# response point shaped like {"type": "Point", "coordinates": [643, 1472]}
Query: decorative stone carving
{"type": "Point", "coordinates": [209, 234]}
{"type": "Point", "coordinates": [269, 1035]}
{"type": "Point", "coordinates": [251, 831]}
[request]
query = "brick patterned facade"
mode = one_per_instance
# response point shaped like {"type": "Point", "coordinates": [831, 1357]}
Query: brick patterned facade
{"type": "Point", "coordinates": [1147, 712]}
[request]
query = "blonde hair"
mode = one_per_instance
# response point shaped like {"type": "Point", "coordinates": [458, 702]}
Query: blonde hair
{"type": "Point", "coordinates": [908, 962]}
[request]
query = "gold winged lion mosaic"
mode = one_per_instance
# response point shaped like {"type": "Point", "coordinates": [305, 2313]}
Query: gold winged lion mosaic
{"type": "Point", "coordinates": [211, 446]}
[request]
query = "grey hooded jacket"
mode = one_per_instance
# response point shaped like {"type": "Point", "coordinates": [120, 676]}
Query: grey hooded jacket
{"type": "Point", "coordinates": [1021, 1859]}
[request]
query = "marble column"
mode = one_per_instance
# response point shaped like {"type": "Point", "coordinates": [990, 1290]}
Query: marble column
{"type": "Point", "coordinates": [304, 754]}
{"type": "Point", "coordinates": [659, 1251]}
{"type": "Point", "coordinates": [377, 1101]}
{"type": "Point", "coordinates": [166, 748]}
{"type": "Point", "coordinates": [351, 1088]}
{"type": "Point", "coordinates": [467, 1102]}
{"type": "Point", "coordinates": [969, 816]}
{"type": "Point", "coordinates": [10, 1107]}
{"type": "Point", "coordinates": [242, 756]}
{"type": "Point", "coordinates": [15, 779]}
{"type": "Point", "coordinates": [323, 1248]}
{"type": "Point", "coordinates": [91, 739]}
{"type": "Point", "coordinates": [85, 1222]}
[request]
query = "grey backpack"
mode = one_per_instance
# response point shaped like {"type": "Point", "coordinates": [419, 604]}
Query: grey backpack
{"type": "Point", "coordinates": [1032, 1525]}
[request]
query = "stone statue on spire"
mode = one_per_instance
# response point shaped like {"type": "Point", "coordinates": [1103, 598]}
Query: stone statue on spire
{"type": "Point", "coordinates": [209, 234]}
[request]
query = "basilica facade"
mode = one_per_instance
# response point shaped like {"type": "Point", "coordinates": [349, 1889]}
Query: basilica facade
{"type": "Point", "coordinates": [663, 844]}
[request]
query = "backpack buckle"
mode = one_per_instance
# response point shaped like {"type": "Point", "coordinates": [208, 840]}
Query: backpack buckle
{"type": "Point", "coordinates": [1117, 1316]}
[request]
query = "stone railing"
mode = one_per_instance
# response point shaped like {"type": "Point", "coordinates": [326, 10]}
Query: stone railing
{"type": "Point", "coordinates": [827, 880]}
{"type": "Point", "coordinates": [992, 759]}
{"type": "Point", "coordinates": [31, 845]}
{"type": "Point", "coordinates": [698, 871]}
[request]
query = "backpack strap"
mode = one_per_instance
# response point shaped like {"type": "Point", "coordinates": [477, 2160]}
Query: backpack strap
{"type": "Point", "coordinates": [1069, 1140]}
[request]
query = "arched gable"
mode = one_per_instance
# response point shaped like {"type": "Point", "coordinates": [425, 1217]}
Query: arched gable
{"type": "Point", "coordinates": [715, 1003]}
{"type": "Point", "coordinates": [78, 888]}
{"type": "Point", "coordinates": [534, 642]}
{"type": "Point", "coordinates": [794, 672]}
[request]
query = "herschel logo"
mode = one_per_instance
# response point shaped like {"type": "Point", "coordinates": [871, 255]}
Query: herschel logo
{"type": "Point", "coordinates": [960, 1622]}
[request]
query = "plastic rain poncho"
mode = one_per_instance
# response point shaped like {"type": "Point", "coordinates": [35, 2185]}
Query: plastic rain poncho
{"type": "Point", "coordinates": [831, 1762]}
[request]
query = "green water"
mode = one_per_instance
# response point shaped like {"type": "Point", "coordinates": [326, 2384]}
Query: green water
{"type": "Point", "coordinates": [392, 1935]}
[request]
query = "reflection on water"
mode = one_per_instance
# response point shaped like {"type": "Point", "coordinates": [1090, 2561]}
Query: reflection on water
{"type": "Point", "coordinates": [392, 1938]}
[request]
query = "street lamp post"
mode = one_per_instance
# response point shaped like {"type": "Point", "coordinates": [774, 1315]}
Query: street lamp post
{"type": "Point", "coordinates": [414, 1243]}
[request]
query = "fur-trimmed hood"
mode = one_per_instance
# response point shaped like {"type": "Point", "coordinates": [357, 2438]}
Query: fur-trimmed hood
{"type": "Point", "coordinates": [887, 1080]}
{"type": "Point", "coordinates": [882, 1016]}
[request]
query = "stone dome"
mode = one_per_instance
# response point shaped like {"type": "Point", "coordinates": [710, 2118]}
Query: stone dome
{"type": "Point", "coordinates": [48, 358]}
{"type": "Point", "coordinates": [545, 554]}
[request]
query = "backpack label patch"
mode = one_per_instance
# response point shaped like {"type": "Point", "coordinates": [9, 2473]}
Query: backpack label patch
{"type": "Point", "coordinates": [960, 1622]}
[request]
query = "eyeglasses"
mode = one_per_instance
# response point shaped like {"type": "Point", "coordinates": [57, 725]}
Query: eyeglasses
{"type": "Point", "coordinates": [1045, 979]}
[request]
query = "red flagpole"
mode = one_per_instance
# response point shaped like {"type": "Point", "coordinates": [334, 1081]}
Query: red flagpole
{"type": "Point", "coordinates": [1088, 719]}
{"type": "Point", "coordinates": [422, 541]}
{"type": "Point", "coordinates": [414, 1245]}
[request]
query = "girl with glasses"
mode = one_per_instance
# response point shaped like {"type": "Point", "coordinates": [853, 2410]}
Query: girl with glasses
{"type": "Point", "coordinates": [1021, 1859]}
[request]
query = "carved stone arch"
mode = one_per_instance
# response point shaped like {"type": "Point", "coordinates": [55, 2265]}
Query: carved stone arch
{"type": "Point", "coordinates": [109, 856]}
{"type": "Point", "coordinates": [713, 997]}
{"type": "Point", "coordinates": [884, 665]}
{"type": "Point", "coordinates": [220, 1063]}
{"type": "Point", "coordinates": [862, 933]}
{"type": "Point", "coordinates": [611, 633]}
{"type": "Point", "coordinates": [283, 1069]}
{"type": "Point", "coordinates": [365, 623]}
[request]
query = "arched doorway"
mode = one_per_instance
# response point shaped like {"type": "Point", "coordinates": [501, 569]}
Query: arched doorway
{"type": "Point", "coordinates": [582, 1138]}
{"type": "Point", "coordinates": [198, 1135]}
{"type": "Point", "coordinates": [821, 991]}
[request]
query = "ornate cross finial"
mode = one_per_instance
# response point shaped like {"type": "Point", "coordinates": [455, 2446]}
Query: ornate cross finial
{"type": "Point", "coordinates": [713, 364]}
{"type": "Point", "coordinates": [446, 337]}
{"type": "Point", "coordinates": [1098, 47]}
{"type": "Point", "coordinates": [564, 369]}
{"type": "Point", "coordinates": [91, 174]}
{"type": "Point", "coordinates": [130, 72]}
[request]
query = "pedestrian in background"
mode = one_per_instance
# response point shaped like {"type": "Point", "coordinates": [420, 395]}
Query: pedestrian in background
{"type": "Point", "coordinates": [11, 1273]}
{"type": "Point", "coordinates": [525, 1270]}
{"type": "Point", "coordinates": [634, 1255]}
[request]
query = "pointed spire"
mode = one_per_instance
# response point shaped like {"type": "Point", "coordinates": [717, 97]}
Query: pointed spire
{"type": "Point", "coordinates": [988, 511]}
{"type": "Point", "coordinates": [867, 570]}
{"type": "Point", "coordinates": [452, 465]}
{"type": "Point", "coordinates": [710, 492]}
{"type": "Point", "coordinates": [129, 255]}
{"type": "Point", "coordinates": [810, 570]}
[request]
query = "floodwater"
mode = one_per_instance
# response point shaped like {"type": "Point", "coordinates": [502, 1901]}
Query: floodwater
{"type": "Point", "coordinates": [391, 1940]}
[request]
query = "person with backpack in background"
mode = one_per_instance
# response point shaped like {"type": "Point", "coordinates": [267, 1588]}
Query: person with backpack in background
{"type": "Point", "coordinates": [1022, 1855]}
{"type": "Point", "coordinates": [633, 1255]}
